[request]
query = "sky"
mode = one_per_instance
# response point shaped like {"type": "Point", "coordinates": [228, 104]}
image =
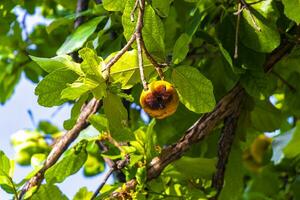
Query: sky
{"type": "Point", "coordinates": [14, 116]}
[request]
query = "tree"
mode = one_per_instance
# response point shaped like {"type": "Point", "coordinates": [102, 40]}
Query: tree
{"type": "Point", "coordinates": [233, 65]}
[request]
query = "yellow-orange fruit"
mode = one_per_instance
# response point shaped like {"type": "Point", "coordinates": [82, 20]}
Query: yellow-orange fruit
{"type": "Point", "coordinates": [259, 147]}
{"type": "Point", "coordinates": [160, 100]}
{"type": "Point", "coordinates": [254, 155]}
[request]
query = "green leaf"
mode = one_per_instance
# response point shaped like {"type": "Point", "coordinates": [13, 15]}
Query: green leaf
{"type": "Point", "coordinates": [265, 117]}
{"type": "Point", "coordinates": [8, 83]}
{"type": "Point", "coordinates": [83, 194]}
{"type": "Point", "coordinates": [265, 184]}
{"type": "Point", "coordinates": [226, 55]}
{"type": "Point", "coordinates": [92, 66]}
{"type": "Point", "coordinates": [4, 164]}
{"type": "Point", "coordinates": [153, 29]}
{"type": "Point", "coordinates": [150, 140]}
{"type": "Point", "coordinates": [114, 5]}
{"type": "Point", "coordinates": [264, 37]}
{"type": "Point", "coordinates": [57, 23]}
{"type": "Point", "coordinates": [80, 36]}
{"type": "Point", "coordinates": [47, 127]}
{"type": "Point", "coordinates": [70, 18]}
{"type": "Point", "coordinates": [292, 103]}
{"type": "Point", "coordinates": [58, 62]}
{"type": "Point", "coordinates": [91, 62]}
{"type": "Point", "coordinates": [92, 80]}
{"type": "Point", "coordinates": [181, 48]}
{"type": "Point", "coordinates": [141, 175]}
{"type": "Point", "coordinates": [75, 90]}
{"type": "Point", "coordinates": [233, 176]}
{"type": "Point", "coordinates": [82, 86]}
{"type": "Point", "coordinates": [195, 91]}
{"type": "Point", "coordinates": [76, 109]}
{"type": "Point", "coordinates": [291, 150]}
{"type": "Point", "coordinates": [258, 84]}
{"type": "Point", "coordinates": [94, 165]}
{"type": "Point", "coordinates": [162, 7]}
{"type": "Point", "coordinates": [292, 9]}
{"type": "Point", "coordinates": [196, 167]}
{"type": "Point", "coordinates": [117, 116]}
{"type": "Point", "coordinates": [46, 190]}
{"type": "Point", "coordinates": [99, 122]}
{"type": "Point", "coordinates": [37, 160]}
{"type": "Point", "coordinates": [171, 128]}
{"type": "Point", "coordinates": [295, 187]}
{"type": "Point", "coordinates": [68, 165]}
{"type": "Point", "coordinates": [97, 86]}
{"type": "Point", "coordinates": [126, 69]}
{"type": "Point", "coordinates": [6, 182]}
{"type": "Point", "coordinates": [50, 88]}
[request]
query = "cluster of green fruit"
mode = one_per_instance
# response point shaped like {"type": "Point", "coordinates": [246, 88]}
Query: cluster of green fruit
{"type": "Point", "coordinates": [94, 163]}
{"type": "Point", "coordinates": [27, 143]}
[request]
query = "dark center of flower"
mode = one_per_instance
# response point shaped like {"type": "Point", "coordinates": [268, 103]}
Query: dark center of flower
{"type": "Point", "coordinates": [158, 99]}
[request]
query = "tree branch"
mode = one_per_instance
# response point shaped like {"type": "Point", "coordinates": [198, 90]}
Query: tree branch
{"type": "Point", "coordinates": [225, 143]}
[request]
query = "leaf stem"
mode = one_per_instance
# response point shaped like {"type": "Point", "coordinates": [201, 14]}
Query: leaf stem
{"type": "Point", "coordinates": [138, 33]}
{"type": "Point", "coordinates": [236, 43]}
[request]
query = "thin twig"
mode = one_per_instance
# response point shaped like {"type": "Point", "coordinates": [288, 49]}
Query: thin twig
{"type": "Point", "coordinates": [119, 174]}
{"type": "Point", "coordinates": [106, 176]}
{"type": "Point", "coordinates": [138, 33]}
{"type": "Point", "coordinates": [236, 43]}
{"type": "Point", "coordinates": [153, 61]}
{"type": "Point", "coordinates": [140, 58]}
{"type": "Point", "coordinates": [112, 61]}
{"type": "Point", "coordinates": [117, 166]}
{"type": "Point", "coordinates": [133, 10]}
